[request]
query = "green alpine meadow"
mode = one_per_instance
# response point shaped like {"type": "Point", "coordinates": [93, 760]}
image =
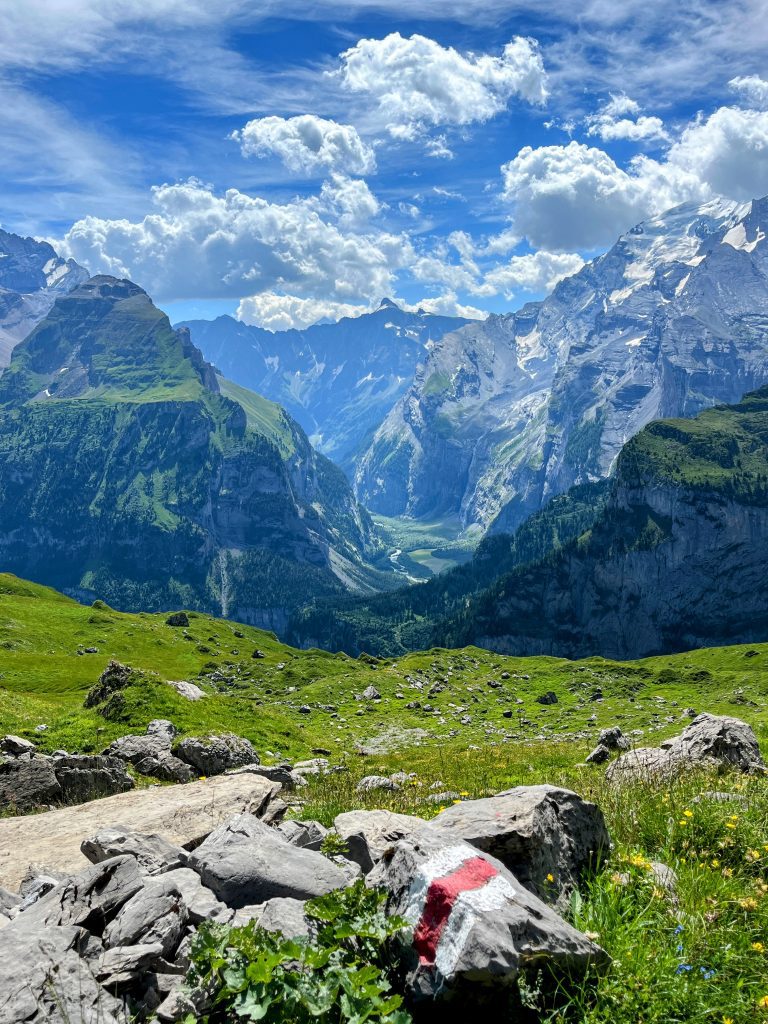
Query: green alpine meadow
{"type": "Point", "coordinates": [383, 512]}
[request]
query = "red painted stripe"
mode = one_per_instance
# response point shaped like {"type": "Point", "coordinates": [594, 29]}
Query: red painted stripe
{"type": "Point", "coordinates": [441, 896]}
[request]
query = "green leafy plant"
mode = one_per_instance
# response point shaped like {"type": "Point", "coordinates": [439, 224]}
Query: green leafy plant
{"type": "Point", "coordinates": [339, 975]}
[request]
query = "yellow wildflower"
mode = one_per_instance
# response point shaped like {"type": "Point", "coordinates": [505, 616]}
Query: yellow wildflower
{"type": "Point", "coordinates": [763, 1003]}
{"type": "Point", "coordinates": [727, 1020]}
{"type": "Point", "coordinates": [550, 877]}
{"type": "Point", "coordinates": [688, 814]}
{"type": "Point", "coordinates": [729, 824]}
{"type": "Point", "coordinates": [758, 947]}
{"type": "Point", "coordinates": [727, 872]}
{"type": "Point", "coordinates": [748, 903]}
{"type": "Point", "coordinates": [715, 863]}
{"type": "Point", "coordinates": [752, 855]}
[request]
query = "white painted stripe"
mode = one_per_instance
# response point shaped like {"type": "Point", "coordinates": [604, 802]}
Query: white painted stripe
{"type": "Point", "coordinates": [469, 906]}
{"type": "Point", "coordinates": [442, 863]}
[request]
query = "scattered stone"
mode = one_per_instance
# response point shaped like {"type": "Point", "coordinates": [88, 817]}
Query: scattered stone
{"type": "Point", "coordinates": [537, 832]}
{"type": "Point", "coordinates": [244, 861]}
{"type": "Point", "coordinates": [189, 691]}
{"type": "Point", "coordinates": [213, 755]}
{"type": "Point", "coordinates": [599, 755]}
{"type": "Point", "coordinates": [16, 745]}
{"type": "Point", "coordinates": [550, 697]}
{"type": "Point", "coordinates": [177, 619]}
{"type": "Point", "coordinates": [469, 952]}
{"type": "Point", "coordinates": [370, 693]}
{"type": "Point", "coordinates": [156, 914]}
{"type": "Point", "coordinates": [162, 727]}
{"type": "Point", "coordinates": [121, 966]}
{"type": "Point", "coordinates": [151, 755]}
{"type": "Point", "coordinates": [372, 783]}
{"type": "Point", "coordinates": [613, 739]}
{"type": "Point", "coordinates": [280, 914]}
{"type": "Point", "coordinates": [258, 654]}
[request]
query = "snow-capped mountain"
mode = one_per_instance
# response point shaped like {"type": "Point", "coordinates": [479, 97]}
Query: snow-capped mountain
{"type": "Point", "coordinates": [505, 413]}
{"type": "Point", "coordinates": [339, 380]}
{"type": "Point", "coordinates": [32, 276]}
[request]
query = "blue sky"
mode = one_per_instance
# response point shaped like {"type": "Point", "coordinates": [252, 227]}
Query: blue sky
{"type": "Point", "coordinates": [459, 155]}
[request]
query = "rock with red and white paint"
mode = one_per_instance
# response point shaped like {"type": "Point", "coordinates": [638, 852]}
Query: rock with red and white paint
{"type": "Point", "coordinates": [473, 928]}
{"type": "Point", "coordinates": [548, 837]}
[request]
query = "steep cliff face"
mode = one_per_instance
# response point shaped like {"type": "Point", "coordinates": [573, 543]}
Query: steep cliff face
{"type": "Point", "coordinates": [338, 380]}
{"type": "Point", "coordinates": [130, 471]}
{"type": "Point", "coordinates": [678, 558]}
{"type": "Point", "coordinates": [674, 318]}
{"type": "Point", "coordinates": [32, 276]}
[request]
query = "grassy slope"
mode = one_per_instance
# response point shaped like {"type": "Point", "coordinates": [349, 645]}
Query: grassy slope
{"type": "Point", "coordinates": [719, 850]}
{"type": "Point", "coordinates": [44, 679]}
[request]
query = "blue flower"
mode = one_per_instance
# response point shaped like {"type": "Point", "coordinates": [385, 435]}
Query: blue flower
{"type": "Point", "coordinates": [707, 972]}
{"type": "Point", "coordinates": [683, 968]}
{"type": "Point", "coordinates": [679, 929]}
{"type": "Point", "coordinates": [679, 947]}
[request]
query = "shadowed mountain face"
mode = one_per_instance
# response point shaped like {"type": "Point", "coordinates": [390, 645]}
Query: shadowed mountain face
{"type": "Point", "coordinates": [506, 413]}
{"type": "Point", "coordinates": [32, 276]}
{"type": "Point", "coordinates": [130, 471]}
{"type": "Point", "coordinates": [669, 554]}
{"type": "Point", "coordinates": [338, 380]}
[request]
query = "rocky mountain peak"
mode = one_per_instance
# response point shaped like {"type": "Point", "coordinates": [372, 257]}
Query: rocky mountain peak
{"type": "Point", "coordinates": [672, 319]}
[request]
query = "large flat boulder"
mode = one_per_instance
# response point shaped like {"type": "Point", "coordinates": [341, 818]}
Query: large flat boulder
{"type": "Point", "coordinates": [474, 929]}
{"type": "Point", "coordinates": [183, 815]}
{"type": "Point", "coordinates": [546, 836]}
{"type": "Point", "coordinates": [245, 862]}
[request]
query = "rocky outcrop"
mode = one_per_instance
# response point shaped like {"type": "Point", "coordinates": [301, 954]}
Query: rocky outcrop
{"type": "Point", "coordinates": [709, 741]}
{"type": "Point", "coordinates": [504, 414]}
{"type": "Point", "coordinates": [29, 779]}
{"type": "Point", "coordinates": [151, 755]}
{"type": "Point", "coordinates": [213, 755]}
{"type": "Point", "coordinates": [677, 558]}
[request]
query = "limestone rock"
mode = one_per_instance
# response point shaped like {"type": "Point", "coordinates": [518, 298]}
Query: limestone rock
{"type": "Point", "coordinates": [213, 755]}
{"type": "Point", "coordinates": [151, 755]}
{"type": "Point", "coordinates": [200, 902]}
{"type": "Point", "coordinates": [280, 914]}
{"type": "Point", "coordinates": [535, 831]}
{"type": "Point", "coordinates": [709, 740]}
{"type": "Point", "coordinates": [244, 862]}
{"type": "Point", "coordinates": [43, 980]}
{"type": "Point", "coordinates": [369, 834]}
{"type": "Point", "coordinates": [156, 914]}
{"type": "Point", "coordinates": [153, 853]}
{"type": "Point", "coordinates": [89, 899]}
{"type": "Point", "coordinates": [26, 784]}
{"type": "Point", "coordinates": [475, 928]}
{"type": "Point", "coordinates": [308, 835]}
{"type": "Point", "coordinates": [182, 815]}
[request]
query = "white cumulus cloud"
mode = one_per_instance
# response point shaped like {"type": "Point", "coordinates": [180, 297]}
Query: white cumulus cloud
{"type": "Point", "coordinates": [620, 118]}
{"type": "Point", "coordinates": [198, 244]}
{"type": "Point", "coordinates": [417, 82]}
{"type": "Point", "coordinates": [533, 272]}
{"type": "Point", "coordinates": [281, 312]}
{"type": "Point", "coordinates": [446, 304]}
{"type": "Point", "coordinates": [307, 144]}
{"type": "Point", "coordinates": [753, 88]}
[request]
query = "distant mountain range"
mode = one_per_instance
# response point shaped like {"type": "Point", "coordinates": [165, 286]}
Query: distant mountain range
{"type": "Point", "coordinates": [131, 472]}
{"type": "Point", "coordinates": [32, 276]}
{"type": "Point", "coordinates": [670, 554]}
{"type": "Point", "coordinates": [503, 414]}
{"type": "Point", "coordinates": [339, 380]}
